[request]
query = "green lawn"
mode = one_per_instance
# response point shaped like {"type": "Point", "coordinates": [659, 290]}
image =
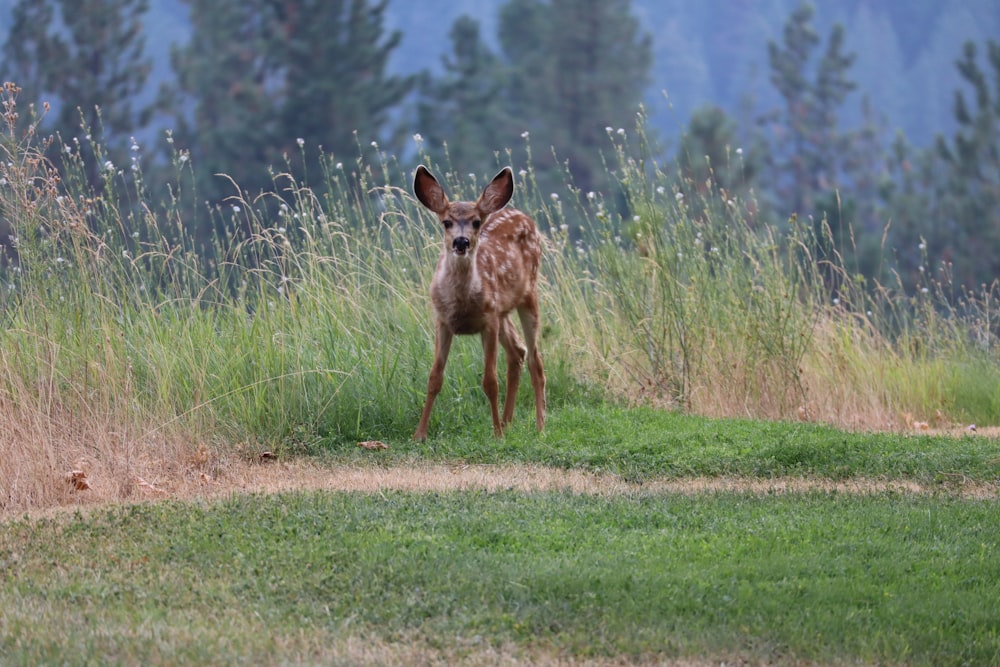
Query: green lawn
{"type": "Point", "coordinates": [644, 443]}
{"type": "Point", "coordinates": [884, 578]}
{"type": "Point", "coordinates": [887, 579]}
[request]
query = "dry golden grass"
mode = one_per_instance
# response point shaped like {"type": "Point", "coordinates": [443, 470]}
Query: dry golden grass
{"type": "Point", "coordinates": [51, 456]}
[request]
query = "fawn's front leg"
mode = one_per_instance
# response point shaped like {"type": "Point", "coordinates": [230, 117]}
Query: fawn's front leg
{"type": "Point", "coordinates": [491, 336]}
{"type": "Point", "coordinates": [442, 346]}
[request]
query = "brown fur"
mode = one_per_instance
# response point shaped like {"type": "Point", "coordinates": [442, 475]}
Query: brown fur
{"type": "Point", "coordinates": [475, 289]}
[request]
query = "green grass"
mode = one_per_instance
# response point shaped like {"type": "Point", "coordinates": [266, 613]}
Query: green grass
{"type": "Point", "coordinates": [888, 579]}
{"type": "Point", "coordinates": [124, 348]}
{"type": "Point", "coordinates": [642, 443]}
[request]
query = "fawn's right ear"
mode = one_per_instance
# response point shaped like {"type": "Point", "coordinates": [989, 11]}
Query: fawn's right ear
{"type": "Point", "coordinates": [429, 191]}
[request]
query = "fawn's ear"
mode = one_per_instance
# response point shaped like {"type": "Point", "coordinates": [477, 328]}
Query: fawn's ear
{"type": "Point", "coordinates": [429, 191]}
{"type": "Point", "coordinates": [497, 193]}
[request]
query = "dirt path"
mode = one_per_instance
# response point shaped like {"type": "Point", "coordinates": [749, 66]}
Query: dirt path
{"type": "Point", "coordinates": [274, 476]}
{"type": "Point", "coordinates": [442, 478]}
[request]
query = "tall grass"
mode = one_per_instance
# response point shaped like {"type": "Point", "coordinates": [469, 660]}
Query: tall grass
{"type": "Point", "coordinates": [719, 314]}
{"type": "Point", "coordinates": [129, 352]}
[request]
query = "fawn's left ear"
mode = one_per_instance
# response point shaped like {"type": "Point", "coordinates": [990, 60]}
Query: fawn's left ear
{"type": "Point", "coordinates": [497, 193]}
{"type": "Point", "coordinates": [429, 191]}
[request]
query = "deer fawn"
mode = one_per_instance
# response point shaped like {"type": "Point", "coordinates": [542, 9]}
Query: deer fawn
{"type": "Point", "coordinates": [488, 268]}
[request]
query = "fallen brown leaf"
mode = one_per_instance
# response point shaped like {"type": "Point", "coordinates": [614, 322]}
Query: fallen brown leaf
{"type": "Point", "coordinates": [373, 444]}
{"type": "Point", "coordinates": [146, 485]}
{"type": "Point", "coordinates": [201, 457]}
{"type": "Point", "coordinates": [78, 479]}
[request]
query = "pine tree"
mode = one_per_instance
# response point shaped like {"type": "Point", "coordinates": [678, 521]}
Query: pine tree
{"type": "Point", "coordinates": [808, 141]}
{"type": "Point", "coordinates": [227, 79]}
{"type": "Point", "coordinates": [710, 155]}
{"type": "Point", "coordinates": [262, 75]}
{"type": "Point", "coordinates": [463, 109]}
{"type": "Point", "coordinates": [577, 67]}
{"type": "Point", "coordinates": [87, 58]}
{"type": "Point", "coordinates": [337, 92]}
{"type": "Point", "coordinates": [971, 193]}
{"type": "Point", "coordinates": [945, 201]}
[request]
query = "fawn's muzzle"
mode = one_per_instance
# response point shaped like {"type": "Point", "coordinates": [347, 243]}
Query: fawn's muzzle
{"type": "Point", "coordinates": [460, 245]}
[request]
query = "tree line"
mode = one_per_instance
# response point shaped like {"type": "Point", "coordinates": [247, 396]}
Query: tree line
{"type": "Point", "coordinates": [302, 84]}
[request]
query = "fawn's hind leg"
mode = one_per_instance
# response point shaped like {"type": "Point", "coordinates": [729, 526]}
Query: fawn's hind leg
{"type": "Point", "coordinates": [515, 352]}
{"type": "Point", "coordinates": [529, 321]}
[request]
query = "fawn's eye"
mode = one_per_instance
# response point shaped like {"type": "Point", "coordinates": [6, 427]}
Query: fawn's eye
{"type": "Point", "coordinates": [447, 224]}
{"type": "Point", "coordinates": [476, 224]}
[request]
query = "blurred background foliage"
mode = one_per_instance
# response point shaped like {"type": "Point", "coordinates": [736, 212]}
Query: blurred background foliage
{"type": "Point", "coordinates": [877, 120]}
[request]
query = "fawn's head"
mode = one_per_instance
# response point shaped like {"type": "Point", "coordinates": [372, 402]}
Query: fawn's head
{"type": "Point", "coordinates": [462, 219]}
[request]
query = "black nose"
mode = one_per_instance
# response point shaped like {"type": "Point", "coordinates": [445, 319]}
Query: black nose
{"type": "Point", "coordinates": [460, 244]}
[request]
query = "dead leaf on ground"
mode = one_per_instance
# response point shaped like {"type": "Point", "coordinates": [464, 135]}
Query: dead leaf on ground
{"type": "Point", "coordinates": [201, 458]}
{"type": "Point", "coordinates": [373, 444]}
{"type": "Point", "coordinates": [78, 480]}
{"type": "Point", "coordinates": [147, 486]}
{"type": "Point", "coordinates": [264, 457]}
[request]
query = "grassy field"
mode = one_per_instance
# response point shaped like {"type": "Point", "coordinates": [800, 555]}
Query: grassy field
{"type": "Point", "coordinates": [148, 359]}
{"type": "Point", "coordinates": [351, 578]}
{"type": "Point", "coordinates": [878, 574]}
